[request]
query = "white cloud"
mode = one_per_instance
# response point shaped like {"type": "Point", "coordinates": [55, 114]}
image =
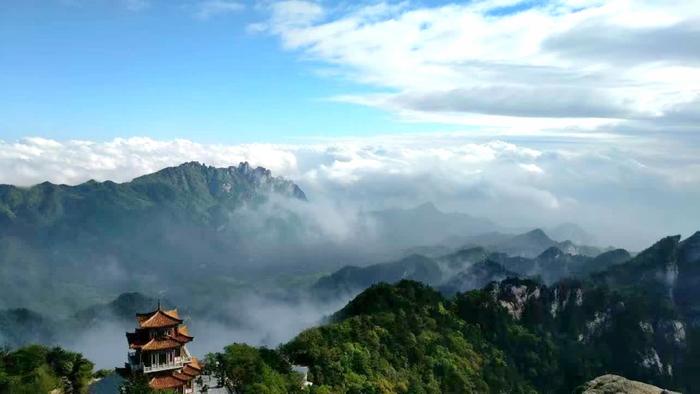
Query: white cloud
{"type": "Point", "coordinates": [210, 8]}
{"type": "Point", "coordinates": [591, 62]}
{"type": "Point", "coordinates": [287, 15]}
{"type": "Point", "coordinates": [628, 190]}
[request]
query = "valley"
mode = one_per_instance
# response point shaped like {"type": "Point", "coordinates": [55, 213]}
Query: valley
{"type": "Point", "coordinates": [476, 307]}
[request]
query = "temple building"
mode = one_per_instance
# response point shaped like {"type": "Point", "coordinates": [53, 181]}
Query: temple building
{"type": "Point", "coordinates": [157, 350]}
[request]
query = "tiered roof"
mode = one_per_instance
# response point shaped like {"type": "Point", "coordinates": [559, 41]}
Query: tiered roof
{"type": "Point", "coordinates": [141, 340]}
{"type": "Point", "coordinates": [170, 333]}
{"type": "Point", "coordinates": [165, 382]}
{"type": "Point", "coordinates": [176, 379]}
{"type": "Point", "coordinates": [159, 319]}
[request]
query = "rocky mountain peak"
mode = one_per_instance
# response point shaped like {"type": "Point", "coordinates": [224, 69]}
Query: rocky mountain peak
{"type": "Point", "coordinates": [200, 179]}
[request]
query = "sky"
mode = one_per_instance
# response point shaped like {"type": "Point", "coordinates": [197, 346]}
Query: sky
{"type": "Point", "coordinates": [528, 112]}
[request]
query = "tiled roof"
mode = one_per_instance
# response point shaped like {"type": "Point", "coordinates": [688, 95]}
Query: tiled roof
{"type": "Point", "coordinates": [184, 330]}
{"type": "Point", "coordinates": [158, 319]}
{"type": "Point", "coordinates": [189, 370]}
{"type": "Point", "coordinates": [161, 344]}
{"type": "Point", "coordinates": [194, 363]}
{"type": "Point", "coordinates": [177, 378]}
{"type": "Point", "coordinates": [137, 339]}
{"type": "Point", "coordinates": [183, 376]}
{"type": "Point", "coordinates": [166, 382]}
{"type": "Point", "coordinates": [182, 337]}
{"type": "Point", "coordinates": [140, 338]}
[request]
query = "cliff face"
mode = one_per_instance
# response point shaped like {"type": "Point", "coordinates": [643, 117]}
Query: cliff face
{"type": "Point", "coordinates": [613, 384]}
{"type": "Point", "coordinates": [638, 330]}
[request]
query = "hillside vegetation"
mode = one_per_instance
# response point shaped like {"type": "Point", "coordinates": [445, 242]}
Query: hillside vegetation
{"type": "Point", "coordinates": [38, 369]}
{"type": "Point", "coordinates": [516, 336]}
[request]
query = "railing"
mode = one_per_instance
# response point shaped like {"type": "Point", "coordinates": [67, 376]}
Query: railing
{"type": "Point", "coordinates": [178, 362]}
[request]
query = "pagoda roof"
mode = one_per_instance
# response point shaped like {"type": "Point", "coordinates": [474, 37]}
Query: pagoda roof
{"type": "Point", "coordinates": [159, 318]}
{"type": "Point", "coordinates": [160, 344]}
{"type": "Point", "coordinates": [178, 378]}
{"type": "Point", "coordinates": [166, 382]}
{"type": "Point", "coordinates": [140, 340]}
{"type": "Point", "coordinates": [181, 376]}
{"type": "Point", "coordinates": [182, 334]}
{"type": "Point", "coordinates": [194, 363]}
{"type": "Point", "coordinates": [183, 330]}
{"type": "Point", "coordinates": [189, 371]}
{"type": "Point", "coordinates": [192, 369]}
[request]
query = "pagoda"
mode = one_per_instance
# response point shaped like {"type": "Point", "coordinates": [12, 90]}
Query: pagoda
{"type": "Point", "coordinates": [157, 350]}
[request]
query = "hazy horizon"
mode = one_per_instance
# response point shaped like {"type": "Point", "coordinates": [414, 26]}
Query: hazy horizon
{"type": "Point", "coordinates": [519, 111]}
{"type": "Point", "coordinates": [413, 147]}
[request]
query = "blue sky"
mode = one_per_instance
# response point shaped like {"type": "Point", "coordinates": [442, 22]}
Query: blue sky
{"type": "Point", "coordinates": [98, 69]}
{"type": "Point", "coordinates": [530, 112]}
{"type": "Point", "coordinates": [275, 71]}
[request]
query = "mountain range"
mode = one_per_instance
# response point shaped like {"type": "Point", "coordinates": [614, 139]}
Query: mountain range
{"type": "Point", "coordinates": [475, 266]}
{"type": "Point", "coordinates": [495, 310]}
{"type": "Point", "coordinates": [516, 335]}
{"type": "Point", "coordinates": [62, 244]}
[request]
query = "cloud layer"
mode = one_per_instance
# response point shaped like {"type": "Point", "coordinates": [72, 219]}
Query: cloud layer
{"type": "Point", "coordinates": [624, 191]}
{"type": "Point", "coordinates": [490, 63]}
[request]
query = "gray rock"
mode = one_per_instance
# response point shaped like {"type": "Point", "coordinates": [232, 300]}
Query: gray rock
{"type": "Point", "coordinates": [613, 384]}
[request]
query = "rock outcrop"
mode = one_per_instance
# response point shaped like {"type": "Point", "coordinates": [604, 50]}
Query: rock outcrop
{"type": "Point", "coordinates": [613, 384]}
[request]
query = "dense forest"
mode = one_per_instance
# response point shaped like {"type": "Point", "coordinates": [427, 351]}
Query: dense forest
{"type": "Point", "coordinates": [407, 338]}
{"type": "Point", "coordinates": [513, 336]}
{"type": "Point", "coordinates": [39, 369]}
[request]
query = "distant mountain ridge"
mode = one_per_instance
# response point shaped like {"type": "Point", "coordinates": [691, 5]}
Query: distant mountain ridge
{"type": "Point", "coordinates": [65, 242]}
{"type": "Point", "coordinates": [191, 186]}
{"type": "Point", "coordinates": [19, 327]}
{"type": "Point", "coordinates": [501, 256]}
{"type": "Point", "coordinates": [530, 244]}
{"type": "Point", "coordinates": [636, 318]}
{"type": "Point", "coordinates": [426, 225]}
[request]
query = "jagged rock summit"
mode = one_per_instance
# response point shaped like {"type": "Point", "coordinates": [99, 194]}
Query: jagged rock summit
{"type": "Point", "coordinates": [614, 384]}
{"type": "Point", "coordinates": [222, 182]}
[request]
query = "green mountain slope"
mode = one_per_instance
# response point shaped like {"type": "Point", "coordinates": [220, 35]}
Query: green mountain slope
{"type": "Point", "coordinates": [517, 335]}
{"type": "Point", "coordinates": [63, 248]}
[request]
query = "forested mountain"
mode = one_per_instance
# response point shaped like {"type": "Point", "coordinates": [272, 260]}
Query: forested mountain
{"type": "Point", "coordinates": [516, 335]}
{"type": "Point", "coordinates": [69, 246]}
{"type": "Point", "coordinates": [495, 312]}
{"type": "Point", "coordinates": [213, 231]}
{"type": "Point", "coordinates": [637, 318]}
{"type": "Point", "coordinates": [530, 244]}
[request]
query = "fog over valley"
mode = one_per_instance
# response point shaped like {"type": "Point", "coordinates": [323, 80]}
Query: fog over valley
{"type": "Point", "coordinates": [349, 197]}
{"type": "Point", "coordinates": [612, 192]}
{"type": "Point", "coordinates": [245, 256]}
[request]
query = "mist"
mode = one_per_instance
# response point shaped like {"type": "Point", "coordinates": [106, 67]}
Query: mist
{"type": "Point", "coordinates": [609, 184]}
{"type": "Point", "coordinates": [254, 320]}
